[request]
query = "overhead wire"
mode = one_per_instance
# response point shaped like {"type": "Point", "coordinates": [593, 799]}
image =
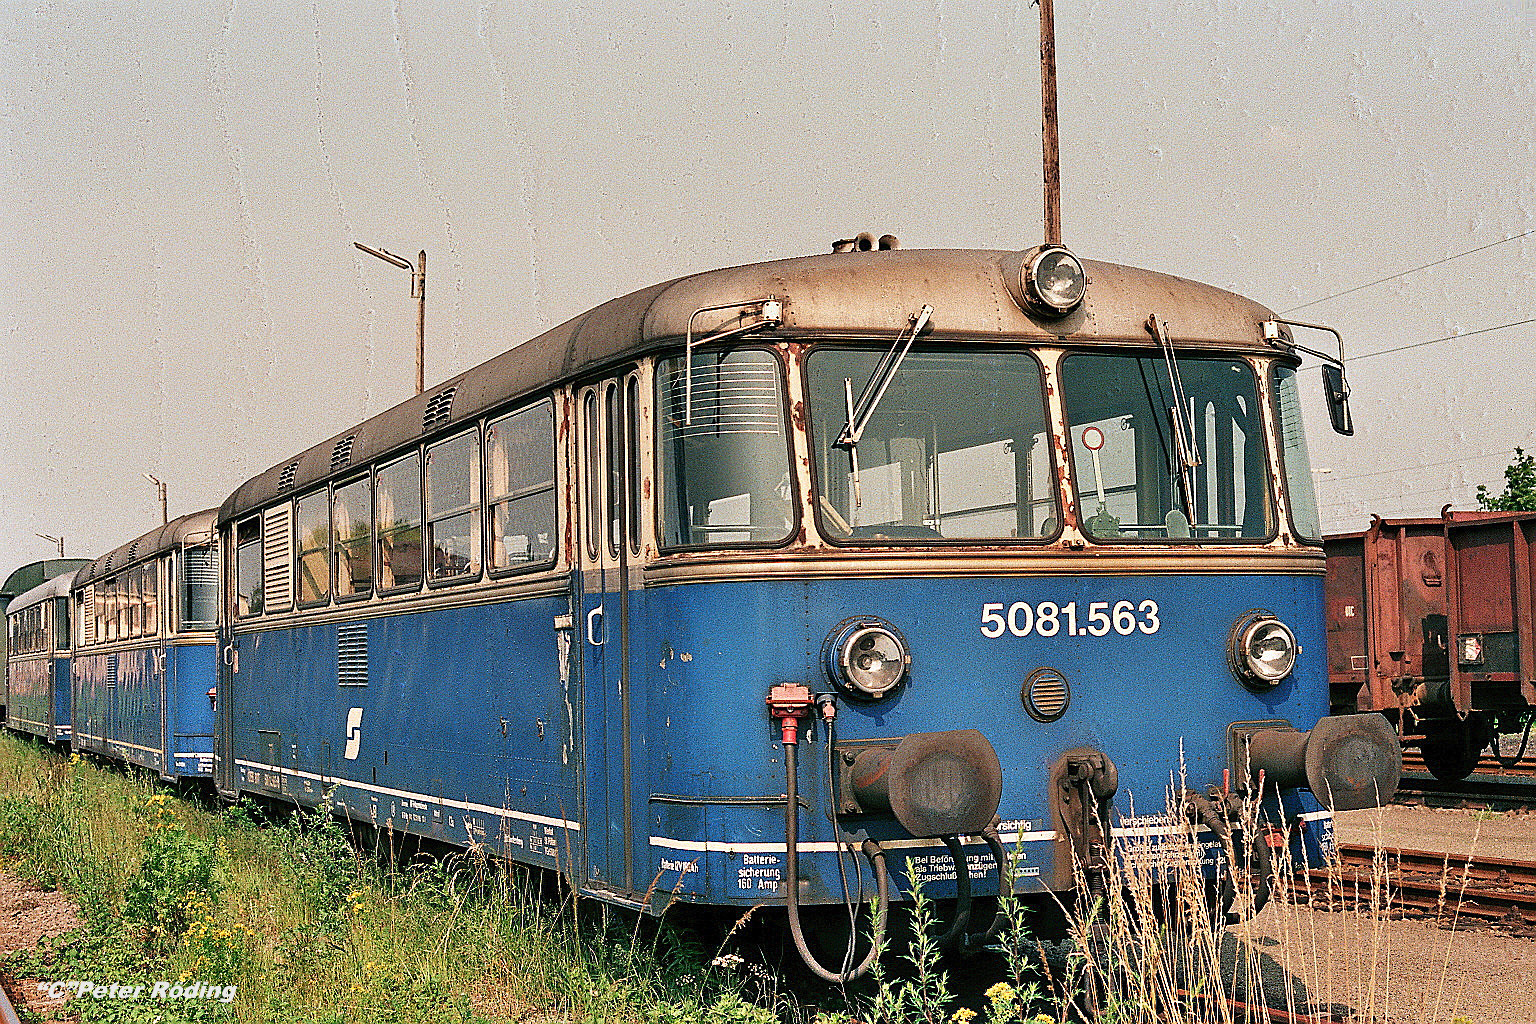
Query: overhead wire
{"type": "Point", "coordinates": [1405, 273]}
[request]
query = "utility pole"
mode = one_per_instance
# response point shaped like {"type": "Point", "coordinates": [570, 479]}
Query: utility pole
{"type": "Point", "coordinates": [1050, 140]}
{"type": "Point", "coordinates": [159, 486]}
{"type": "Point", "coordinates": [419, 293]}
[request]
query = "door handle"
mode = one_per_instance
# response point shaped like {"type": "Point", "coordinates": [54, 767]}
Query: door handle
{"type": "Point", "coordinates": [594, 619]}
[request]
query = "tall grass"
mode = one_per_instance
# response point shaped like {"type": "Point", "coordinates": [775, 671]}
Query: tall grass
{"type": "Point", "coordinates": [307, 928]}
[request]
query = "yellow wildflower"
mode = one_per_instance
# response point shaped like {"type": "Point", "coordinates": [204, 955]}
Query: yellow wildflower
{"type": "Point", "coordinates": [963, 1016]}
{"type": "Point", "coordinates": [1002, 992]}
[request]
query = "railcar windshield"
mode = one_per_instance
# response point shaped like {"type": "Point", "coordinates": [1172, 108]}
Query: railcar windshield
{"type": "Point", "coordinates": [956, 449]}
{"type": "Point", "coordinates": [1151, 466]}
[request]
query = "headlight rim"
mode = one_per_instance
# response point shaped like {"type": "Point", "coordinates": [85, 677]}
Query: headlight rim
{"type": "Point", "coordinates": [1036, 295]}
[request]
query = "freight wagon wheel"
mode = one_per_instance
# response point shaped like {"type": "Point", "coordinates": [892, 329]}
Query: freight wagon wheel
{"type": "Point", "coordinates": [1451, 751]}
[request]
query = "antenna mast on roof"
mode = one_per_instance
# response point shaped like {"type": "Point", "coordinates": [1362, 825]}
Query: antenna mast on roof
{"type": "Point", "coordinates": [1050, 141]}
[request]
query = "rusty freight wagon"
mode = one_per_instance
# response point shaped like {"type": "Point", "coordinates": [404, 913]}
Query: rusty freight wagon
{"type": "Point", "coordinates": [1430, 622]}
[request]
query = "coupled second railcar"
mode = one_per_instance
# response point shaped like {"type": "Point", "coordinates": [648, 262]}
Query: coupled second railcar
{"type": "Point", "coordinates": [923, 553]}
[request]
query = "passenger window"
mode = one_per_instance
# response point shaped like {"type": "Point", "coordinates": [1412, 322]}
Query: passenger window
{"type": "Point", "coordinates": [248, 598]}
{"type": "Point", "coordinates": [399, 486]}
{"type": "Point", "coordinates": [453, 507]}
{"type": "Point", "coordinates": [352, 526]}
{"type": "Point", "coordinates": [314, 526]}
{"type": "Point", "coordinates": [632, 451]}
{"type": "Point", "coordinates": [520, 476]}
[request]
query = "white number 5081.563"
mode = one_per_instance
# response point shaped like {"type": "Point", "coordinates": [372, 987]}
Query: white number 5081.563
{"type": "Point", "coordinates": [1048, 619]}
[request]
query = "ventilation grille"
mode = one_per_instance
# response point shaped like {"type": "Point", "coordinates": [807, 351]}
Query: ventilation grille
{"type": "Point", "coordinates": [133, 551]}
{"type": "Point", "coordinates": [439, 409]}
{"type": "Point", "coordinates": [277, 552]}
{"type": "Point", "coordinates": [1046, 694]}
{"type": "Point", "coordinates": [110, 560]}
{"type": "Point", "coordinates": [341, 455]}
{"type": "Point", "coordinates": [285, 480]}
{"type": "Point", "coordinates": [88, 614]}
{"type": "Point", "coordinates": [111, 670]}
{"type": "Point", "coordinates": [352, 654]}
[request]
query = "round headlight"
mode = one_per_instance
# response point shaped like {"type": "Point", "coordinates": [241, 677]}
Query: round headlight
{"type": "Point", "coordinates": [866, 658]}
{"type": "Point", "coordinates": [1054, 280]}
{"type": "Point", "coordinates": [1263, 650]}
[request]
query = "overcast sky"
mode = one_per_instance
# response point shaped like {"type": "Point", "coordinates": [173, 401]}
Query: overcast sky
{"type": "Point", "coordinates": [181, 185]}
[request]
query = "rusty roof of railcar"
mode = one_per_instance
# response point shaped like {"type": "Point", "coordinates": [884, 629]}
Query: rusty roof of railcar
{"type": "Point", "coordinates": [190, 528]}
{"type": "Point", "coordinates": [869, 294]}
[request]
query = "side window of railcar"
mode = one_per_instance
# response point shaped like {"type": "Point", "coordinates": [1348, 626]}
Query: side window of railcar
{"type": "Point", "coordinates": [248, 567]}
{"type": "Point", "coordinates": [199, 588]}
{"type": "Point", "coordinates": [151, 579]}
{"type": "Point", "coordinates": [399, 507]}
{"type": "Point", "coordinates": [1133, 481]}
{"type": "Point", "coordinates": [313, 522]}
{"type": "Point", "coordinates": [722, 451]}
{"type": "Point", "coordinates": [520, 483]}
{"type": "Point", "coordinates": [352, 528]}
{"type": "Point", "coordinates": [1300, 492]}
{"type": "Point", "coordinates": [453, 507]}
{"type": "Point", "coordinates": [61, 623]}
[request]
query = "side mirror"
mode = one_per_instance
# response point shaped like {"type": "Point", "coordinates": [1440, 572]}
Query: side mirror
{"type": "Point", "coordinates": [1336, 392]}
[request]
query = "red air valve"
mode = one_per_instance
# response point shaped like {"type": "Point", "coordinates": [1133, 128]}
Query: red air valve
{"type": "Point", "coordinates": [789, 702]}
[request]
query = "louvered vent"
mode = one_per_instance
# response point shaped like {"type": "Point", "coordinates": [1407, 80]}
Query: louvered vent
{"type": "Point", "coordinates": [285, 480]}
{"type": "Point", "coordinates": [110, 560]}
{"type": "Point", "coordinates": [88, 614]}
{"type": "Point", "coordinates": [439, 409]}
{"type": "Point", "coordinates": [133, 551]}
{"type": "Point", "coordinates": [277, 556]}
{"type": "Point", "coordinates": [1046, 695]}
{"type": "Point", "coordinates": [341, 455]}
{"type": "Point", "coordinates": [352, 654]}
{"type": "Point", "coordinates": [111, 670]}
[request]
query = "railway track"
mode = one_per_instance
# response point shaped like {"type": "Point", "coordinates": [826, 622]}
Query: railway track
{"type": "Point", "coordinates": [1489, 766]}
{"type": "Point", "coordinates": [1483, 890]}
{"type": "Point", "coordinates": [1477, 791]}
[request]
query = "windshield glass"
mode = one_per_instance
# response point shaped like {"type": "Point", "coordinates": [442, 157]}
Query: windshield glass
{"type": "Point", "coordinates": [1126, 449]}
{"type": "Point", "coordinates": [1293, 457]}
{"type": "Point", "coordinates": [956, 449]}
{"type": "Point", "coordinates": [722, 450]}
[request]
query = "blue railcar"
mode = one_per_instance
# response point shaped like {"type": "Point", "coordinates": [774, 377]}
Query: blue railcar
{"type": "Point", "coordinates": [144, 672]}
{"type": "Point", "coordinates": [920, 554]}
{"type": "Point", "coordinates": [19, 582]}
{"type": "Point", "coordinates": [37, 669]}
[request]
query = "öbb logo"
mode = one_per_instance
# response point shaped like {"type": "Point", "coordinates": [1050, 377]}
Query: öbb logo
{"type": "Point", "coordinates": [354, 733]}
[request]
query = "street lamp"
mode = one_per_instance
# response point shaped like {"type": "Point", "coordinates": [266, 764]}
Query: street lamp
{"type": "Point", "coordinates": [54, 540]}
{"type": "Point", "coordinates": [159, 486]}
{"type": "Point", "coordinates": [419, 293]}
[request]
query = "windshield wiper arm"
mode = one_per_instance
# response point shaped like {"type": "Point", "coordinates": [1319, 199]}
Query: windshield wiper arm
{"type": "Point", "coordinates": [1182, 415]}
{"type": "Point", "coordinates": [860, 411]}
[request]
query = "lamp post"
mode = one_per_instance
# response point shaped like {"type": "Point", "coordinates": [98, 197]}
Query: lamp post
{"type": "Point", "coordinates": [419, 293]}
{"type": "Point", "coordinates": [159, 486]}
{"type": "Point", "coordinates": [54, 540]}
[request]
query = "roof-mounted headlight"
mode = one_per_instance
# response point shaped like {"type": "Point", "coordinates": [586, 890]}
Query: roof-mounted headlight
{"type": "Point", "coordinates": [866, 657]}
{"type": "Point", "coordinates": [1052, 280]}
{"type": "Point", "coordinates": [1261, 650]}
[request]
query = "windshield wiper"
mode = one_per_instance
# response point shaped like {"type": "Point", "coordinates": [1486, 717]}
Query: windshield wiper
{"type": "Point", "coordinates": [861, 410]}
{"type": "Point", "coordinates": [1182, 416]}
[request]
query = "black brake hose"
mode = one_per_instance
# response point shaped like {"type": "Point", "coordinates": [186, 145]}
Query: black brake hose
{"type": "Point", "coordinates": [955, 936]}
{"type": "Point", "coordinates": [872, 851]}
{"type": "Point", "coordinates": [1510, 762]}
